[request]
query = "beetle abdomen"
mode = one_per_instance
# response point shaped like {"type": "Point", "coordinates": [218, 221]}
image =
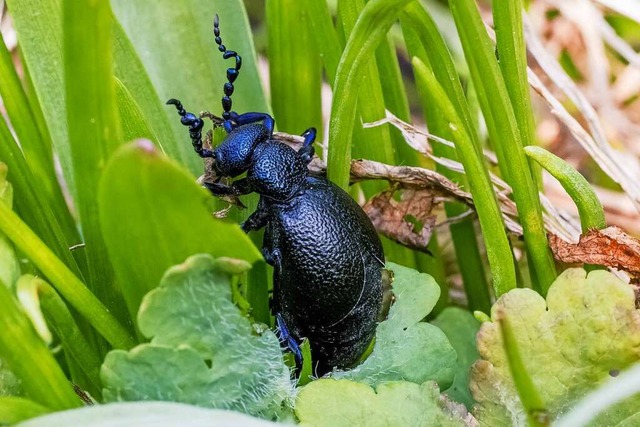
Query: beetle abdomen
{"type": "Point", "coordinates": [330, 289]}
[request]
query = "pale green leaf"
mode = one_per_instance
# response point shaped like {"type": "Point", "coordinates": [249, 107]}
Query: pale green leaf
{"type": "Point", "coordinates": [335, 403]}
{"type": "Point", "coordinates": [203, 351]}
{"type": "Point", "coordinates": [406, 348]}
{"type": "Point", "coordinates": [587, 328]}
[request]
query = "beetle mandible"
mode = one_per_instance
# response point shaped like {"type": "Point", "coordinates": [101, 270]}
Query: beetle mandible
{"type": "Point", "coordinates": [326, 254]}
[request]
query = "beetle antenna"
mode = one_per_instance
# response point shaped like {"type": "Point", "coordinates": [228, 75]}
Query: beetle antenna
{"type": "Point", "coordinates": [232, 73]}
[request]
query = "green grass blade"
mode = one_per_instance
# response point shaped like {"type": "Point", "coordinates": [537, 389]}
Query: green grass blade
{"type": "Point", "coordinates": [395, 100]}
{"type": "Point", "coordinates": [503, 130]}
{"type": "Point", "coordinates": [424, 41]}
{"type": "Point", "coordinates": [59, 318]}
{"type": "Point", "coordinates": [589, 206]}
{"type": "Point", "coordinates": [527, 391]}
{"type": "Point", "coordinates": [40, 40]}
{"type": "Point", "coordinates": [64, 281]}
{"type": "Point", "coordinates": [27, 199]}
{"type": "Point", "coordinates": [327, 44]}
{"type": "Point", "coordinates": [94, 130]}
{"type": "Point", "coordinates": [134, 124]}
{"type": "Point", "coordinates": [16, 409]}
{"type": "Point", "coordinates": [372, 143]}
{"type": "Point", "coordinates": [29, 358]}
{"type": "Point", "coordinates": [370, 29]}
{"type": "Point", "coordinates": [507, 18]}
{"type": "Point", "coordinates": [493, 231]}
{"type": "Point", "coordinates": [295, 71]}
{"type": "Point", "coordinates": [35, 145]}
{"type": "Point", "coordinates": [168, 218]}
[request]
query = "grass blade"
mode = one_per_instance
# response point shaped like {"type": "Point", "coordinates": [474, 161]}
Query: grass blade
{"type": "Point", "coordinates": [372, 25]}
{"type": "Point", "coordinates": [507, 17]}
{"type": "Point", "coordinates": [61, 321]}
{"type": "Point", "coordinates": [35, 145]}
{"type": "Point", "coordinates": [589, 206]}
{"type": "Point", "coordinates": [424, 41]}
{"type": "Point", "coordinates": [29, 358]}
{"type": "Point", "coordinates": [491, 224]}
{"type": "Point", "coordinates": [503, 130]}
{"type": "Point", "coordinates": [93, 127]}
{"type": "Point", "coordinates": [65, 282]}
{"type": "Point", "coordinates": [16, 409]}
{"type": "Point", "coordinates": [295, 71]}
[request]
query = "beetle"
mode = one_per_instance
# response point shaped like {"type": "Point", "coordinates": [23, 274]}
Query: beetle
{"type": "Point", "coordinates": [326, 254]}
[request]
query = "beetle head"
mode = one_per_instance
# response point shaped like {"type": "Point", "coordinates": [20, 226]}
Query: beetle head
{"type": "Point", "coordinates": [233, 155]}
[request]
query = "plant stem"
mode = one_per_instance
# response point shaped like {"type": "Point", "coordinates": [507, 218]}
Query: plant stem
{"type": "Point", "coordinates": [529, 396]}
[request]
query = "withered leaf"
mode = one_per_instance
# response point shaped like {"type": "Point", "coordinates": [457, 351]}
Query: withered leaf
{"type": "Point", "coordinates": [610, 247]}
{"type": "Point", "coordinates": [408, 221]}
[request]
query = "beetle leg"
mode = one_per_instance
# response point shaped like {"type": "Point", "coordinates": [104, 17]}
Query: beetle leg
{"type": "Point", "coordinates": [256, 220]}
{"type": "Point", "coordinates": [246, 118]}
{"type": "Point", "coordinates": [237, 188]}
{"type": "Point", "coordinates": [307, 151]}
{"type": "Point", "coordinates": [287, 340]}
{"type": "Point", "coordinates": [273, 257]}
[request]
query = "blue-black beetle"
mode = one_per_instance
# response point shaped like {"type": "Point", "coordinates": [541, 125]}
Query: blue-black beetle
{"type": "Point", "coordinates": [326, 254]}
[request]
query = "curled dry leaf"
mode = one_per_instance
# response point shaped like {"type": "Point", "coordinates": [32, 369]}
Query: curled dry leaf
{"type": "Point", "coordinates": [408, 221]}
{"type": "Point", "coordinates": [610, 247]}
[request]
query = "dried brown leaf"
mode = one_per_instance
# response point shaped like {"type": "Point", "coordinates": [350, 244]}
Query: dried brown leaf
{"type": "Point", "coordinates": [409, 221]}
{"type": "Point", "coordinates": [610, 247]}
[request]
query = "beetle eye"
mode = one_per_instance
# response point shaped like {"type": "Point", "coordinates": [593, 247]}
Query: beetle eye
{"type": "Point", "coordinates": [217, 155]}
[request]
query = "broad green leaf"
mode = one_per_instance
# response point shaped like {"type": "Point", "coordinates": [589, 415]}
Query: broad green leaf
{"type": "Point", "coordinates": [622, 391]}
{"type": "Point", "coordinates": [203, 351]}
{"type": "Point", "coordinates": [16, 409]}
{"type": "Point", "coordinates": [34, 142]}
{"type": "Point", "coordinates": [406, 348]}
{"type": "Point", "coordinates": [295, 70]}
{"type": "Point", "coordinates": [336, 403]}
{"type": "Point", "coordinates": [145, 414]}
{"type": "Point", "coordinates": [93, 129]}
{"type": "Point", "coordinates": [40, 39]}
{"type": "Point", "coordinates": [460, 327]}
{"type": "Point", "coordinates": [587, 328]}
{"type": "Point", "coordinates": [134, 124]}
{"type": "Point", "coordinates": [154, 216]}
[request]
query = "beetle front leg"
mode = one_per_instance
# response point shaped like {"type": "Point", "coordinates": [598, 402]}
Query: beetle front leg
{"type": "Point", "coordinates": [237, 188]}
